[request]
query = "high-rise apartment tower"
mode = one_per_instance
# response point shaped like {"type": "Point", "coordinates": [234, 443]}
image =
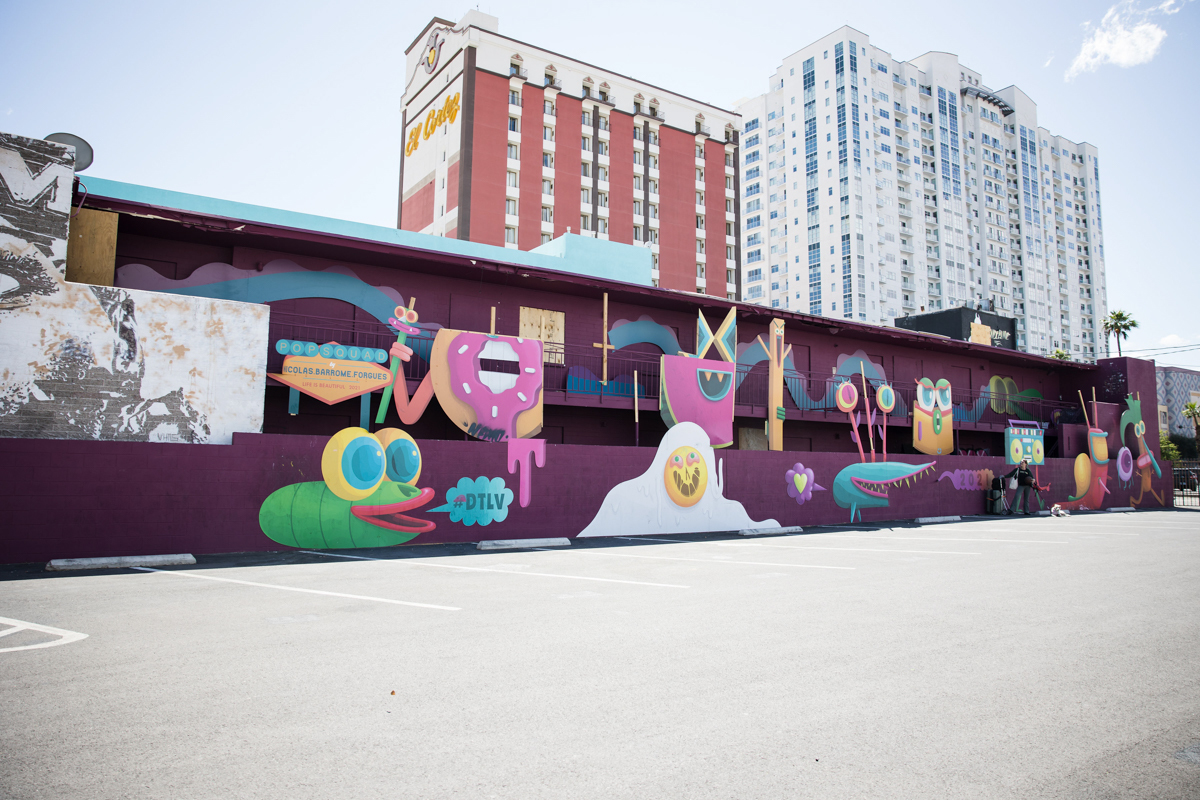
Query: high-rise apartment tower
{"type": "Point", "coordinates": [874, 188]}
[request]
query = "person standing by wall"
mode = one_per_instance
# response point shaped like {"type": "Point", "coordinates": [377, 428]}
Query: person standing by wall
{"type": "Point", "coordinates": [1025, 486]}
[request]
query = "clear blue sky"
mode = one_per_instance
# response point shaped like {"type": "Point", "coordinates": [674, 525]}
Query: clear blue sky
{"type": "Point", "coordinates": [296, 105]}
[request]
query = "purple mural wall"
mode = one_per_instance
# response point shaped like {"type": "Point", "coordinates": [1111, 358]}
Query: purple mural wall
{"type": "Point", "coordinates": [68, 499]}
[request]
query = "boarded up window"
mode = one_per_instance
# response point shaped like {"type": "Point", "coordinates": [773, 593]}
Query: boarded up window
{"type": "Point", "coordinates": [549, 326]}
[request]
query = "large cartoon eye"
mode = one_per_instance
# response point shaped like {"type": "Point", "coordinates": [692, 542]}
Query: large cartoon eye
{"type": "Point", "coordinates": [943, 394]}
{"type": "Point", "coordinates": [925, 394]}
{"type": "Point", "coordinates": [885, 398]}
{"type": "Point", "coordinates": [352, 464]}
{"type": "Point", "coordinates": [1139, 429]}
{"type": "Point", "coordinates": [401, 456]}
{"type": "Point", "coordinates": [846, 396]}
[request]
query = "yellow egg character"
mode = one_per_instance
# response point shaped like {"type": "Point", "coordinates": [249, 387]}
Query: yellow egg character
{"type": "Point", "coordinates": [685, 476]}
{"type": "Point", "coordinates": [933, 413]}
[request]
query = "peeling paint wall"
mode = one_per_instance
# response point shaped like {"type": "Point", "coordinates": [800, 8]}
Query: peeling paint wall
{"type": "Point", "coordinates": [95, 362]}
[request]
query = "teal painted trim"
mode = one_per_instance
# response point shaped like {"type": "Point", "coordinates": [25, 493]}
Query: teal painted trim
{"type": "Point", "coordinates": [293, 401]}
{"type": "Point", "coordinates": [364, 412]}
{"type": "Point", "coordinates": [296, 285]}
{"type": "Point", "coordinates": [644, 331]}
{"type": "Point", "coordinates": [597, 258]}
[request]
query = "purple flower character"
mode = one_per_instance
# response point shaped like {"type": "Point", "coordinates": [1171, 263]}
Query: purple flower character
{"type": "Point", "coordinates": [801, 484]}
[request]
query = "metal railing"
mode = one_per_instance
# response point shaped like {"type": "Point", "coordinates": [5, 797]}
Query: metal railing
{"type": "Point", "coordinates": [577, 370]}
{"type": "Point", "coordinates": [1187, 483]}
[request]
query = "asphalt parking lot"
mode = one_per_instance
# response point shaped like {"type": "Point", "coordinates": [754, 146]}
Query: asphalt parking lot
{"type": "Point", "coordinates": [1007, 658]}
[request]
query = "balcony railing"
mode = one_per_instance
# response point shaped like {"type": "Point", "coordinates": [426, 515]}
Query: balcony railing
{"type": "Point", "coordinates": [577, 369]}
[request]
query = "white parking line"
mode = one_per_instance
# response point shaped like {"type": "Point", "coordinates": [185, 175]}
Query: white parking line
{"type": "Point", "coordinates": [65, 637]}
{"type": "Point", "coordinates": [647, 539]}
{"type": "Point", "coordinates": [183, 574]}
{"type": "Point", "coordinates": [942, 539]}
{"type": "Point", "coordinates": [415, 563]}
{"type": "Point", "coordinates": [847, 549]}
{"type": "Point", "coordinates": [604, 552]}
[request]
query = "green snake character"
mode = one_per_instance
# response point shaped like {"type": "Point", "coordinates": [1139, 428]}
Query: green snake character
{"type": "Point", "coordinates": [368, 488]}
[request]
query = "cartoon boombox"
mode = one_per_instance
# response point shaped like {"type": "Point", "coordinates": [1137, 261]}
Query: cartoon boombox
{"type": "Point", "coordinates": [1024, 442]}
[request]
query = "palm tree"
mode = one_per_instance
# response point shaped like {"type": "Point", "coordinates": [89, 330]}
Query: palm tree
{"type": "Point", "coordinates": [1192, 412]}
{"type": "Point", "coordinates": [1119, 324]}
{"type": "Point", "coordinates": [1060, 354]}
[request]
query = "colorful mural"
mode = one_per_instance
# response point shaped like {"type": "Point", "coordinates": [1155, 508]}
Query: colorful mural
{"type": "Point", "coordinates": [363, 500]}
{"type": "Point", "coordinates": [1146, 463]}
{"type": "Point", "coordinates": [1091, 470]}
{"type": "Point", "coordinates": [969, 480]}
{"type": "Point", "coordinates": [860, 486]}
{"type": "Point", "coordinates": [801, 483]}
{"type": "Point", "coordinates": [700, 390]}
{"type": "Point", "coordinates": [331, 372]}
{"type": "Point", "coordinates": [480, 501]}
{"type": "Point", "coordinates": [933, 426]}
{"type": "Point", "coordinates": [681, 492]}
{"type": "Point", "coordinates": [777, 354]}
{"type": "Point", "coordinates": [1024, 443]}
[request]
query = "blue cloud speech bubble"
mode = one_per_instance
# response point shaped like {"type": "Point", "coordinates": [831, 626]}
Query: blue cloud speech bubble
{"type": "Point", "coordinates": [477, 501]}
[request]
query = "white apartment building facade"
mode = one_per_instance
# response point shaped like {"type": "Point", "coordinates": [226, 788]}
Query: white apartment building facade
{"type": "Point", "coordinates": [874, 188]}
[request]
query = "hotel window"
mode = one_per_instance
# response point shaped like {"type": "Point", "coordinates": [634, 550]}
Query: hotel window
{"type": "Point", "coordinates": [699, 173]}
{"type": "Point", "coordinates": [728, 206]}
{"type": "Point", "coordinates": [586, 143]}
{"type": "Point", "coordinates": [637, 183]}
{"type": "Point", "coordinates": [653, 162]}
{"type": "Point", "coordinates": [654, 240]}
{"type": "Point", "coordinates": [602, 173]}
{"type": "Point", "coordinates": [637, 156]}
{"type": "Point", "coordinates": [637, 106]}
{"type": "Point", "coordinates": [514, 69]}
{"type": "Point", "coordinates": [587, 92]}
{"type": "Point", "coordinates": [548, 108]}
{"type": "Point", "coordinates": [602, 224]}
{"type": "Point", "coordinates": [729, 253]}
{"type": "Point", "coordinates": [729, 276]}
{"type": "Point", "coordinates": [699, 223]}
{"type": "Point", "coordinates": [510, 235]}
{"type": "Point", "coordinates": [514, 98]}
{"type": "Point", "coordinates": [699, 154]}
{"type": "Point", "coordinates": [547, 133]}
{"type": "Point", "coordinates": [729, 229]}
{"type": "Point", "coordinates": [637, 233]}
{"type": "Point", "coordinates": [510, 207]}
{"type": "Point", "coordinates": [729, 159]}
{"type": "Point", "coordinates": [654, 111]}
{"type": "Point", "coordinates": [602, 147]}
{"type": "Point", "coordinates": [585, 222]}
{"type": "Point", "coordinates": [653, 211]}
{"type": "Point", "coordinates": [699, 245]}
{"type": "Point", "coordinates": [513, 124]}
{"type": "Point", "coordinates": [602, 199]}
{"type": "Point", "coordinates": [547, 214]}
{"type": "Point", "coordinates": [585, 196]}
{"type": "Point", "coordinates": [547, 186]}
{"type": "Point", "coordinates": [653, 186]}
{"type": "Point", "coordinates": [585, 169]}
{"type": "Point", "coordinates": [728, 181]}
{"type": "Point", "coordinates": [700, 271]}
{"type": "Point", "coordinates": [512, 179]}
{"type": "Point", "coordinates": [545, 238]}
{"type": "Point", "coordinates": [547, 159]}
{"type": "Point", "coordinates": [699, 198]}
{"type": "Point", "coordinates": [514, 153]}
{"type": "Point", "coordinates": [637, 208]}
{"type": "Point", "coordinates": [587, 118]}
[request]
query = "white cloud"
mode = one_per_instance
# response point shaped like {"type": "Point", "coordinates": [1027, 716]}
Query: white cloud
{"type": "Point", "coordinates": [1048, 60]}
{"type": "Point", "coordinates": [1125, 37]}
{"type": "Point", "coordinates": [1172, 340]}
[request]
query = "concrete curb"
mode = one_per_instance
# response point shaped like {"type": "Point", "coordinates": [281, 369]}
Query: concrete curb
{"type": "Point", "coordinates": [935, 520]}
{"type": "Point", "coordinates": [119, 562]}
{"type": "Point", "coordinates": [1124, 508]}
{"type": "Point", "coordinates": [521, 544]}
{"type": "Point", "coordinates": [770, 531]}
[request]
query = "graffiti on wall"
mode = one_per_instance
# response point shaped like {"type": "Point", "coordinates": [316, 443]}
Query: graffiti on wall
{"type": "Point", "coordinates": [1146, 463]}
{"type": "Point", "coordinates": [932, 423]}
{"type": "Point", "coordinates": [477, 501]}
{"type": "Point", "coordinates": [1024, 443]}
{"type": "Point", "coordinates": [98, 362]}
{"type": "Point", "coordinates": [700, 390]}
{"type": "Point", "coordinates": [364, 499]}
{"type": "Point", "coordinates": [969, 480]}
{"type": "Point", "coordinates": [332, 372]}
{"type": "Point", "coordinates": [681, 492]}
{"type": "Point", "coordinates": [801, 483]}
